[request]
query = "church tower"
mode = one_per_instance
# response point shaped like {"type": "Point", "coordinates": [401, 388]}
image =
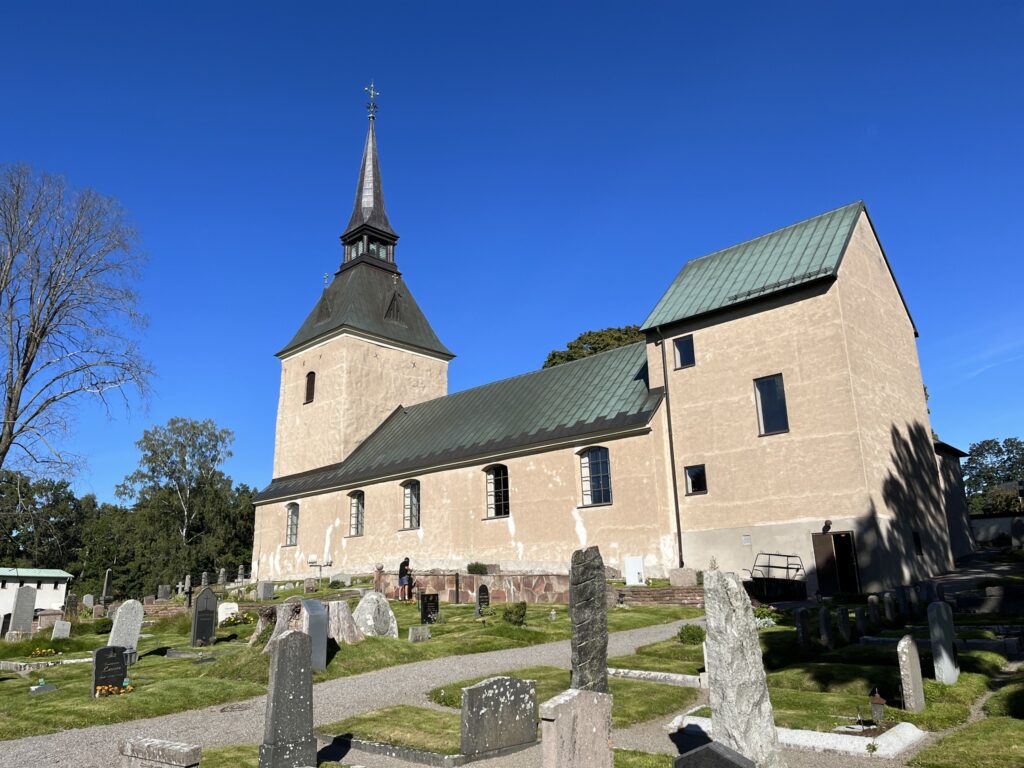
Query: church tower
{"type": "Point", "coordinates": [365, 349]}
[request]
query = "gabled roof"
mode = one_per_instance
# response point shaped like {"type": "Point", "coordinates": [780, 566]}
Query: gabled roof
{"type": "Point", "coordinates": [604, 392]}
{"type": "Point", "coordinates": [800, 253]}
{"type": "Point", "coordinates": [34, 573]}
{"type": "Point", "coordinates": [369, 296]}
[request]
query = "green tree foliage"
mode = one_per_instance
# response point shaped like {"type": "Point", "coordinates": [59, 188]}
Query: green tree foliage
{"type": "Point", "coordinates": [992, 464]}
{"type": "Point", "coordinates": [592, 342]}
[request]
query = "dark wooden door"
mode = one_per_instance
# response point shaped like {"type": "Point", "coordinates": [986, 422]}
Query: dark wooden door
{"type": "Point", "coordinates": [835, 561]}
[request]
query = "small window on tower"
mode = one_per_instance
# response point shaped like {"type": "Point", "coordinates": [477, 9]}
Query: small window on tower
{"type": "Point", "coordinates": [310, 387]}
{"type": "Point", "coordinates": [684, 352]}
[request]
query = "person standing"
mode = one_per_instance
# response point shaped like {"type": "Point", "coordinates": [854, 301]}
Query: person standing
{"type": "Point", "coordinates": [404, 580]}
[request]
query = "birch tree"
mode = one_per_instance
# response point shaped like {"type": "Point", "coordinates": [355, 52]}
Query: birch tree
{"type": "Point", "coordinates": [68, 310]}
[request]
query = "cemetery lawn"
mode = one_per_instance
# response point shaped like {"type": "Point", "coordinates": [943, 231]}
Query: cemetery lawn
{"type": "Point", "coordinates": [404, 726]}
{"type": "Point", "coordinates": [634, 701]}
{"type": "Point", "coordinates": [667, 656]}
{"type": "Point", "coordinates": [241, 756]}
{"type": "Point", "coordinates": [628, 758]}
{"type": "Point", "coordinates": [996, 742]}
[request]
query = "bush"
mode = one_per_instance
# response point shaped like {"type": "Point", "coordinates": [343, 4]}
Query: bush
{"type": "Point", "coordinates": [477, 569]}
{"type": "Point", "coordinates": [335, 584]}
{"type": "Point", "coordinates": [102, 626]}
{"type": "Point", "coordinates": [691, 634]}
{"type": "Point", "coordinates": [515, 614]}
{"type": "Point", "coordinates": [766, 616]}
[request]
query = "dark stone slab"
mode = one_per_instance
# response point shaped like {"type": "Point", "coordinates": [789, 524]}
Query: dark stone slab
{"type": "Point", "coordinates": [108, 591]}
{"type": "Point", "coordinates": [588, 611]}
{"type": "Point", "coordinates": [108, 667]}
{"type": "Point", "coordinates": [713, 755]}
{"type": "Point", "coordinates": [314, 624]}
{"type": "Point", "coordinates": [163, 592]}
{"type": "Point", "coordinates": [45, 688]}
{"type": "Point", "coordinates": [150, 753]}
{"type": "Point", "coordinates": [430, 607]}
{"type": "Point", "coordinates": [483, 599]}
{"type": "Point", "coordinates": [204, 618]}
{"type": "Point", "coordinates": [288, 739]}
{"type": "Point", "coordinates": [497, 714]}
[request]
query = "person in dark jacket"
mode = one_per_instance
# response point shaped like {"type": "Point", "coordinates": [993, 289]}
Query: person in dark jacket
{"type": "Point", "coordinates": [404, 580]}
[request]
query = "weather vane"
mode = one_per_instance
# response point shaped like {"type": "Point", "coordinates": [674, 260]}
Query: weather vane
{"type": "Point", "coordinates": [371, 105]}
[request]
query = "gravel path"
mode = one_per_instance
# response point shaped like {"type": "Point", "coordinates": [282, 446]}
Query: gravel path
{"type": "Point", "coordinates": [242, 722]}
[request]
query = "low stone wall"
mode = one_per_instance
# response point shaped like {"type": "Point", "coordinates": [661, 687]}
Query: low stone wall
{"type": "Point", "coordinates": [542, 588]}
{"type": "Point", "coordinates": [656, 596]}
{"type": "Point", "coordinates": [161, 610]}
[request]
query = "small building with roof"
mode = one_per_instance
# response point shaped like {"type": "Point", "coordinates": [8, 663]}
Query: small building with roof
{"type": "Point", "coordinates": [773, 418]}
{"type": "Point", "coordinates": [50, 584]}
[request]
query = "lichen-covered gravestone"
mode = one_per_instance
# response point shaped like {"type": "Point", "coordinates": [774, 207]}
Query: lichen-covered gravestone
{"type": "Point", "coordinates": [374, 617]}
{"type": "Point", "coordinates": [61, 629]}
{"type": "Point", "coordinates": [910, 674]}
{"type": "Point", "coordinates": [741, 712]}
{"type": "Point", "coordinates": [288, 616]}
{"type": "Point", "coordinates": [204, 618]}
{"type": "Point", "coordinates": [943, 637]}
{"type": "Point", "coordinates": [588, 612]}
{"type": "Point", "coordinates": [288, 739]}
{"type": "Point", "coordinates": [341, 627]}
{"type": "Point", "coordinates": [127, 625]}
{"type": "Point", "coordinates": [314, 624]}
{"type": "Point", "coordinates": [24, 610]}
{"type": "Point", "coordinates": [498, 715]}
{"type": "Point", "coordinates": [576, 728]}
{"type": "Point", "coordinates": [157, 753]}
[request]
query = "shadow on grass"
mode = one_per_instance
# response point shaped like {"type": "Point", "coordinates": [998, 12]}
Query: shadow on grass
{"type": "Point", "coordinates": [339, 747]}
{"type": "Point", "coordinates": [689, 738]}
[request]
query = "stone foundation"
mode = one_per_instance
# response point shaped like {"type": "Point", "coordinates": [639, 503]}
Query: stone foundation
{"type": "Point", "coordinates": [542, 588]}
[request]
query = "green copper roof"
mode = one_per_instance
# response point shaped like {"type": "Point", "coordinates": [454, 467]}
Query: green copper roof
{"type": "Point", "coordinates": [603, 392]}
{"type": "Point", "coordinates": [797, 254]}
{"type": "Point", "coordinates": [34, 573]}
{"type": "Point", "coordinates": [370, 296]}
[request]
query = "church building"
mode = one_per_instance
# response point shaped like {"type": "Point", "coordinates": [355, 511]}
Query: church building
{"type": "Point", "coordinates": [774, 421]}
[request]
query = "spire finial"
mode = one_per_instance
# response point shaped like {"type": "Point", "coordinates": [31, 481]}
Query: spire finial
{"type": "Point", "coordinates": [371, 105]}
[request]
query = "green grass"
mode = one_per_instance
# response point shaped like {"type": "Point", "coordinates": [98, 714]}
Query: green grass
{"type": "Point", "coordinates": [628, 758]}
{"type": "Point", "coordinates": [80, 645]}
{"type": "Point", "coordinates": [665, 656]}
{"type": "Point", "coordinates": [996, 742]}
{"type": "Point", "coordinates": [405, 726]}
{"type": "Point", "coordinates": [633, 701]}
{"type": "Point", "coordinates": [1008, 701]}
{"type": "Point", "coordinates": [240, 756]}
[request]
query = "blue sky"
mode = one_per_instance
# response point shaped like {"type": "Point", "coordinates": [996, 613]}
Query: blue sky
{"type": "Point", "coordinates": [549, 166]}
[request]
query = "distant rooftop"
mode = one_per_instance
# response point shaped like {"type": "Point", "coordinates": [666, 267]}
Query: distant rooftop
{"type": "Point", "coordinates": [34, 573]}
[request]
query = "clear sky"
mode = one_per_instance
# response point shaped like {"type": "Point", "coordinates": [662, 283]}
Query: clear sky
{"type": "Point", "coordinates": [549, 166]}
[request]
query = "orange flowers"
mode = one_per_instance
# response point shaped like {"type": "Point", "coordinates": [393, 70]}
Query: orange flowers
{"type": "Point", "coordinates": [113, 690]}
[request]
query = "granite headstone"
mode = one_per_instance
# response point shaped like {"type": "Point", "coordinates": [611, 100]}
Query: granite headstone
{"type": "Point", "coordinates": [127, 625]}
{"type": "Point", "coordinates": [910, 674]}
{"type": "Point", "coordinates": [288, 739]}
{"type": "Point", "coordinates": [341, 627]}
{"type": "Point", "coordinates": [498, 714]}
{"type": "Point", "coordinates": [24, 610]}
{"type": "Point", "coordinates": [108, 667]}
{"type": "Point", "coordinates": [588, 614]}
{"type": "Point", "coordinates": [204, 618]}
{"type": "Point", "coordinates": [943, 637]}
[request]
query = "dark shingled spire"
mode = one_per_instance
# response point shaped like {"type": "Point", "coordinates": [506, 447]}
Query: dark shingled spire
{"type": "Point", "coordinates": [368, 211]}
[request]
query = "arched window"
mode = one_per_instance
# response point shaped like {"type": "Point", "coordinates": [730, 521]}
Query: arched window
{"type": "Point", "coordinates": [291, 536]}
{"type": "Point", "coordinates": [356, 507]}
{"type": "Point", "coordinates": [596, 474]}
{"type": "Point", "coordinates": [310, 386]}
{"type": "Point", "coordinates": [411, 518]}
{"type": "Point", "coordinates": [497, 491]}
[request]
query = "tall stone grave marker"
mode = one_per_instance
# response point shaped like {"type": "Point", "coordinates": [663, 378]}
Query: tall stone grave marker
{"type": "Point", "coordinates": [803, 628]}
{"type": "Point", "coordinates": [943, 637]}
{"type": "Point", "coordinates": [843, 624]}
{"type": "Point", "coordinates": [910, 674]}
{"type": "Point", "coordinates": [288, 739]}
{"type": "Point", "coordinates": [127, 625]}
{"type": "Point", "coordinates": [588, 612]}
{"type": "Point", "coordinates": [889, 604]}
{"type": "Point", "coordinates": [204, 618]}
{"type": "Point", "coordinates": [88, 601]}
{"type": "Point", "coordinates": [204, 579]}
{"type": "Point", "coordinates": [828, 639]}
{"type": "Point", "coordinates": [314, 624]}
{"type": "Point", "coordinates": [71, 605]}
{"type": "Point", "coordinates": [741, 712]}
{"type": "Point", "coordinates": [483, 599]}
{"type": "Point", "coordinates": [374, 616]}
{"type": "Point", "coordinates": [241, 572]}
{"type": "Point", "coordinates": [61, 629]}
{"type": "Point", "coordinates": [163, 592]}
{"type": "Point", "coordinates": [498, 715]}
{"type": "Point", "coordinates": [341, 627]}
{"type": "Point", "coordinates": [265, 590]}
{"type": "Point", "coordinates": [222, 576]}
{"type": "Point", "coordinates": [24, 610]}
{"type": "Point", "coordinates": [108, 667]}
{"type": "Point", "coordinates": [108, 594]}
{"type": "Point", "coordinates": [576, 728]}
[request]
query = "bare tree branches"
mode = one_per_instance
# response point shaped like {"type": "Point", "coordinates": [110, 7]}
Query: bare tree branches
{"type": "Point", "coordinates": [67, 310]}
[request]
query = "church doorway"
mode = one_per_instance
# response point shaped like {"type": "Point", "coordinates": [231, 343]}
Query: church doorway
{"type": "Point", "coordinates": [835, 561]}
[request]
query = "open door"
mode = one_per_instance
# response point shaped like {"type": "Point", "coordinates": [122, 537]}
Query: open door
{"type": "Point", "coordinates": [835, 561]}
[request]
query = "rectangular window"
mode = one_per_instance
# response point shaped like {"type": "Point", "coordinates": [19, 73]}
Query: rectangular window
{"type": "Point", "coordinates": [772, 417]}
{"type": "Point", "coordinates": [292, 529]}
{"type": "Point", "coordinates": [355, 511]}
{"type": "Point", "coordinates": [696, 480]}
{"type": "Point", "coordinates": [917, 544]}
{"type": "Point", "coordinates": [684, 352]}
{"type": "Point", "coordinates": [596, 476]}
{"type": "Point", "coordinates": [56, 585]}
{"type": "Point", "coordinates": [3, 585]}
{"type": "Point", "coordinates": [412, 505]}
{"type": "Point", "coordinates": [497, 491]}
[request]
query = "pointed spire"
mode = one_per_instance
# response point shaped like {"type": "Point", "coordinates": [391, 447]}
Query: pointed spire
{"type": "Point", "coordinates": [369, 204]}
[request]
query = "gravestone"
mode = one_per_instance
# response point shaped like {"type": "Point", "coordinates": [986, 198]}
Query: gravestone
{"type": "Point", "coordinates": [148, 600]}
{"type": "Point", "coordinates": [163, 592]}
{"type": "Point", "coordinates": [803, 628]}
{"type": "Point", "coordinates": [927, 591]}
{"type": "Point", "coordinates": [224, 610]}
{"type": "Point", "coordinates": [204, 579]}
{"type": "Point", "coordinates": [341, 627]}
{"type": "Point", "coordinates": [943, 637]}
{"type": "Point", "coordinates": [682, 577]}
{"type": "Point", "coordinates": [241, 573]}
{"type": "Point", "coordinates": [309, 586]}
{"type": "Point", "coordinates": [71, 604]}
{"type": "Point", "coordinates": [157, 753]}
{"type": "Point", "coordinates": [88, 601]}
{"type": "Point", "coordinates": [288, 739]}
{"type": "Point", "coordinates": [588, 613]}
{"type": "Point", "coordinates": [576, 729]}
{"type": "Point", "coordinates": [828, 639]}
{"type": "Point", "coordinates": [843, 624]}
{"type": "Point", "coordinates": [24, 610]}
{"type": "Point", "coordinates": [204, 618]}
{"type": "Point", "coordinates": [108, 593]}
{"type": "Point", "coordinates": [915, 601]}
{"type": "Point", "coordinates": [483, 599]}
{"type": "Point", "coordinates": [179, 588]}
{"type": "Point", "coordinates": [374, 617]}
{"type": "Point", "coordinates": [861, 620]}
{"type": "Point", "coordinates": [498, 714]}
{"type": "Point", "coordinates": [45, 618]}
{"type": "Point", "coordinates": [903, 600]}
{"type": "Point", "coordinates": [419, 634]}
{"type": "Point", "coordinates": [741, 712]}
{"type": "Point", "coordinates": [713, 755]}
{"type": "Point", "coordinates": [98, 611]}
{"type": "Point", "coordinates": [633, 569]}
{"type": "Point", "coordinates": [61, 629]}
{"type": "Point", "coordinates": [874, 618]}
{"type": "Point", "coordinates": [188, 582]}
{"type": "Point", "coordinates": [889, 605]}
{"type": "Point", "coordinates": [108, 667]}
{"type": "Point", "coordinates": [127, 625]}
{"type": "Point", "coordinates": [288, 616]}
{"type": "Point", "coordinates": [430, 607]}
{"type": "Point", "coordinates": [314, 624]}
{"type": "Point", "coordinates": [910, 674]}
{"type": "Point", "coordinates": [222, 576]}
{"type": "Point", "coordinates": [265, 590]}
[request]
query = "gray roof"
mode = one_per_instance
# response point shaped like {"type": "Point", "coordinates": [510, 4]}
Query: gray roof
{"type": "Point", "coordinates": [603, 392]}
{"type": "Point", "coordinates": [368, 210]}
{"type": "Point", "coordinates": [369, 295]}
